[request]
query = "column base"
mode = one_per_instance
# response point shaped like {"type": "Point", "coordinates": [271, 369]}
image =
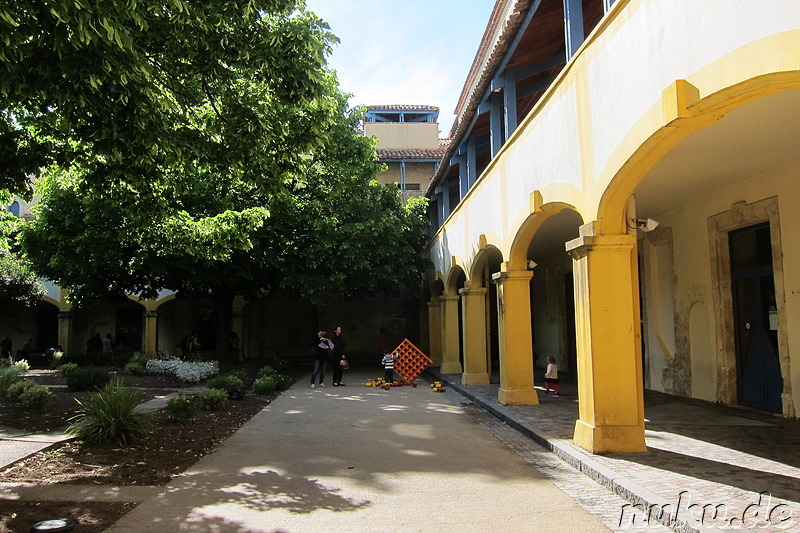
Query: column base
{"type": "Point", "coordinates": [518, 397]}
{"type": "Point", "coordinates": [450, 367]}
{"type": "Point", "coordinates": [610, 438]}
{"type": "Point", "coordinates": [475, 379]}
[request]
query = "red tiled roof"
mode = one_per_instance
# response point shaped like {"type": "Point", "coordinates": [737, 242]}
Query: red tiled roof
{"type": "Point", "coordinates": [402, 107]}
{"type": "Point", "coordinates": [410, 153]}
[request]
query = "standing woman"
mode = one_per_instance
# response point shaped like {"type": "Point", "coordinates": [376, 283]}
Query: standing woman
{"type": "Point", "coordinates": [320, 346]}
{"type": "Point", "coordinates": [338, 357]}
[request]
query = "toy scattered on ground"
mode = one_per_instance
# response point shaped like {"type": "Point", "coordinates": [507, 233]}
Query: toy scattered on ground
{"type": "Point", "coordinates": [410, 363]}
{"type": "Point", "coordinates": [437, 386]}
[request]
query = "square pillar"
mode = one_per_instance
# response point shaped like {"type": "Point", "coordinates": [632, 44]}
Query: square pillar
{"type": "Point", "coordinates": [450, 349]}
{"type": "Point", "coordinates": [150, 333]}
{"type": "Point", "coordinates": [435, 331]}
{"type": "Point", "coordinates": [64, 330]}
{"type": "Point", "coordinates": [607, 323]}
{"type": "Point", "coordinates": [473, 302]}
{"type": "Point", "coordinates": [516, 344]}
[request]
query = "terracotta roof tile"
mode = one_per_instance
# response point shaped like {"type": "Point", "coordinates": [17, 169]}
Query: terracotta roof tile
{"type": "Point", "coordinates": [402, 107]}
{"type": "Point", "coordinates": [410, 153]}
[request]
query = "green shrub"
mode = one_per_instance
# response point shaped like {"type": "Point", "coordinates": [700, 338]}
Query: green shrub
{"type": "Point", "coordinates": [213, 399]}
{"type": "Point", "coordinates": [23, 365]}
{"type": "Point", "coordinates": [67, 368]}
{"type": "Point", "coordinates": [16, 389]}
{"type": "Point", "coordinates": [111, 416]}
{"type": "Point", "coordinates": [264, 385]}
{"type": "Point", "coordinates": [35, 396]}
{"type": "Point", "coordinates": [135, 368]}
{"type": "Point", "coordinates": [8, 376]}
{"type": "Point", "coordinates": [182, 407]}
{"type": "Point", "coordinates": [265, 371]}
{"type": "Point", "coordinates": [281, 380]}
{"type": "Point", "coordinates": [87, 378]}
{"type": "Point", "coordinates": [5, 362]}
{"type": "Point", "coordinates": [227, 382]}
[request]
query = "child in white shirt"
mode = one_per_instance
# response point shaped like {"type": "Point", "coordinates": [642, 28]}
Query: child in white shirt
{"type": "Point", "coordinates": [551, 376]}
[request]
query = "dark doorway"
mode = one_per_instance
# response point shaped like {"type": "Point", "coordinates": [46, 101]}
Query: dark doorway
{"type": "Point", "coordinates": [128, 334]}
{"type": "Point", "coordinates": [572, 348]}
{"type": "Point", "coordinates": [755, 319]}
{"type": "Point", "coordinates": [46, 328]}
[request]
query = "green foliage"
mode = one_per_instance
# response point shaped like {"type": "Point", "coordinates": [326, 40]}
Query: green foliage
{"type": "Point", "coordinates": [213, 399]}
{"type": "Point", "coordinates": [126, 89]}
{"type": "Point", "coordinates": [227, 382]}
{"type": "Point", "coordinates": [19, 286]}
{"type": "Point", "coordinates": [182, 407]}
{"type": "Point", "coordinates": [265, 370]}
{"type": "Point", "coordinates": [17, 388]}
{"type": "Point", "coordinates": [8, 376]}
{"type": "Point", "coordinates": [120, 359]}
{"type": "Point", "coordinates": [67, 368]}
{"type": "Point", "coordinates": [281, 380]}
{"type": "Point", "coordinates": [264, 385]}
{"type": "Point", "coordinates": [35, 396]}
{"type": "Point", "coordinates": [87, 379]}
{"type": "Point", "coordinates": [23, 365]}
{"type": "Point", "coordinates": [110, 416]}
{"type": "Point", "coordinates": [136, 365]}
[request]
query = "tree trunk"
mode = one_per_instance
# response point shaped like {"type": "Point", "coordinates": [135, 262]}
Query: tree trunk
{"type": "Point", "coordinates": [223, 307]}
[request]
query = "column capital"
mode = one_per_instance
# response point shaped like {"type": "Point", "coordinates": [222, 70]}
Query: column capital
{"type": "Point", "coordinates": [473, 291]}
{"type": "Point", "coordinates": [448, 298]}
{"type": "Point", "coordinates": [585, 244]}
{"type": "Point", "coordinates": [64, 314]}
{"type": "Point", "coordinates": [512, 275]}
{"type": "Point", "coordinates": [150, 313]}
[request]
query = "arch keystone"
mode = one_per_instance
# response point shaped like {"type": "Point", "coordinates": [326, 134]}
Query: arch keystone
{"type": "Point", "coordinates": [677, 98]}
{"type": "Point", "coordinates": [536, 201]}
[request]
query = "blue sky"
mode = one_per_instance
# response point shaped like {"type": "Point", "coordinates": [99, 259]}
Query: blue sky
{"type": "Point", "coordinates": [405, 52]}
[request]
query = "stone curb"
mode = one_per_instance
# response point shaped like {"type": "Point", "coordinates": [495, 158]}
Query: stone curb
{"type": "Point", "coordinates": [77, 493]}
{"type": "Point", "coordinates": [583, 461]}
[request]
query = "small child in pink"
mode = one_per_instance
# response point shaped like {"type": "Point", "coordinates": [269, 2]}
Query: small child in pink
{"type": "Point", "coordinates": [551, 376]}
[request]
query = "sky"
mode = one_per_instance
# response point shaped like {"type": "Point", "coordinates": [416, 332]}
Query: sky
{"type": "Point", "coordinates": [405, 52]}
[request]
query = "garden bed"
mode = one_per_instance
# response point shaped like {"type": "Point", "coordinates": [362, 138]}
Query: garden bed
{"type": "Point", "coordinates": [171, 449]}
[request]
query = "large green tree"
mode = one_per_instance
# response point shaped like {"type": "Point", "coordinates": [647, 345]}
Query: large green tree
{"type": "Point", "coordinates": [330, 229]}
{"type": "Point", "coordinates": [131, 92]}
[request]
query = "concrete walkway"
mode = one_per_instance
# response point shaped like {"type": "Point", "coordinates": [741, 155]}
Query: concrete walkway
{"type": "Point", "coordinates": [360, 459]}
{"type": "Point", "coordinates": [721, 468]}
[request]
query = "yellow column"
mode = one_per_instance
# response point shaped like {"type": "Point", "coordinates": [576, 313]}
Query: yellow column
{"type": "Point", "coordinates": [450, 348]}
{"type": "Point", "coordinates": [610, 396]}
{"type": "Point", "coordinates": [64, 330]}
{"type": "Point", "coordinates": [473, 301]}
{"type": "Point", "coordinates": [435, 330]}
{"type": "Point", "coordinates": [514, 330]}
{"type": "Point", "coordinates": [150, 332]}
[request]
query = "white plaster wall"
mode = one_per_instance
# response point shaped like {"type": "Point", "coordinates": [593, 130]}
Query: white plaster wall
{"type": "Point", "coordinates": [662, 41]}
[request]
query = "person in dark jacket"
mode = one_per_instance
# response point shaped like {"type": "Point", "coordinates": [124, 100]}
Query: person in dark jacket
{"type": "Point", "coordinates": [320, 345]}
{"type": "Point", "coordinates": [338, 356]}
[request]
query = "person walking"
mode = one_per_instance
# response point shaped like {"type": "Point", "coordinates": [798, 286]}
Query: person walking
{"type": "Point", "coordinates": [108, 345]}
{"type": "Point", "coordinates": [551, 376]}
{"type": "Point", "coordinates": [339, 357]}
{"type": "Point", "coordinates": [320, 345]}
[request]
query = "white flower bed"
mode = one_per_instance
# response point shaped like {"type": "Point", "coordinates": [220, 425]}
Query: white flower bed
{"type": "Point", "coordinates": [186, 371]}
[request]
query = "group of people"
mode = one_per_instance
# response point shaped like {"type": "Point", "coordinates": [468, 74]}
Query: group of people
{"type": "Point", "coordinates": [321, 347]}
{"type": "Point", "coordinates": [97, 344]}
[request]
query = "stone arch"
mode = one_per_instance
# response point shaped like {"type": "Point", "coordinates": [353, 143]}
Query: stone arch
{"type": "Point", "coordinates": [690, 113]}
{"type": "Point", "coordinates": [518, 256]}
